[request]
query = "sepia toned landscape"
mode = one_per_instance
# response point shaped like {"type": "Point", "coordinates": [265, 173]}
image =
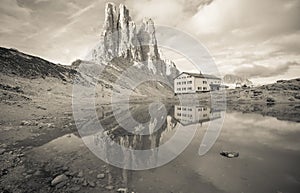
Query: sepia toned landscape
{"type": "Point", "coordinates": [130, 115]}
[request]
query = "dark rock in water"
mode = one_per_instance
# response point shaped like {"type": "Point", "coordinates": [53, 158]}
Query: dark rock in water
{"type": "Point", "coordinates": [229, 154]}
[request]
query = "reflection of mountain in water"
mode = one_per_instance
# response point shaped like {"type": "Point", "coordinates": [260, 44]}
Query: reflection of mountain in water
{"type": "Point", "coordinates": [147, 133]}
{"type": "Point", "coordinates": [195, 114]}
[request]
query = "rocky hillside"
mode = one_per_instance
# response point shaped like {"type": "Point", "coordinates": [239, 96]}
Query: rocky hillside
{"type": "Point", "coordinates": [15, 63]}
{"type": "Point", "coordinates": [282, 91]}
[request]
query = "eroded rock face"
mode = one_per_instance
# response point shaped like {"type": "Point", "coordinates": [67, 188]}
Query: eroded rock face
{"type": "Point", "coordinates": [121, 38]}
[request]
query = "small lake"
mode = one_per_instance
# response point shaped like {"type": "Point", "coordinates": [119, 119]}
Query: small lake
{"type": "Point", "coordinates": [266, 138]}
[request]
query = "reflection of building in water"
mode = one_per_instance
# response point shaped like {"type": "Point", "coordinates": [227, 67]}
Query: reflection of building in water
{"type": "Point", "coordinates": [195, 114]}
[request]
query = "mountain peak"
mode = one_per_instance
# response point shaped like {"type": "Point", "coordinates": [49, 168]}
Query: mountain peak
{"type": "Point", "coordinates": [120, 37]}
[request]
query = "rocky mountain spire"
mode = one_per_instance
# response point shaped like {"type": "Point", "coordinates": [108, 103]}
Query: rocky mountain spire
{"type": "Point", "coordinates": [120, 36]}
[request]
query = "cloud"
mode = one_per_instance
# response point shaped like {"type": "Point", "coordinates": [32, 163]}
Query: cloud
{"type": "Point", "coordinates": [238, 33]}
{"type": "Point", "coordinates": [167, 12]}
{"type": "Point", "coordinates": [255, 71]}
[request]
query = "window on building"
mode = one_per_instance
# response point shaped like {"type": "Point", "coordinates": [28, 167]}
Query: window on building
{"type": "Point", "coordinates": [189, 82]}
{"type": "Point", "coordinates": [178, 108]}
{"type": "Point", "coordinates": [199, 88]}
{"type": "Point", "coordinates": [189, 88]}
{"type": "Point", "coordinates": [184, 82]}
{"type": "Point", "coordinates": [204, 82]}
{"type": "Point", "coordinates": [204, 88]}
{"type": "Point", "coordinates": [204, 115]}
{"type": "Point", "coordinates": [184, 109]}
{"type": "Point", "coordinates": [183, 88]}
{"type": "Point", "coordinates": [178, 114]}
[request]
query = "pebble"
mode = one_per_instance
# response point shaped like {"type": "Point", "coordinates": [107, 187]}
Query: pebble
{"type": "Point", "coordinates": [74, 189]}
{"type": "Point", "coordinates": [92, 184]}
{"type": "Point", "coordinates": [109, 187]}
{"type": "Point", "coordinates": [58, 179]}
{"type": "Point", "coordinates": [80, 174]}
{"type": "Point", "coordinates": [65, 168]}
{"type": "Point", "coordinates": [2, 150]}
{"type": "Point", "coordinates": [38, 173]}
{"type": "Point", "coordinates": [85, 183]}
{"type": "Point", "coordinates": [28, 176]}
{"type": "Point", "coordinates": [122, 190]}
{"type": "Point", "coordinates": [101, 176]}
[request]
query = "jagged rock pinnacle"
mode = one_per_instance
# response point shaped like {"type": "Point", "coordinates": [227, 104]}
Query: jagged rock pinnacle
{"type": "Point", "coordinates": [122, 38]}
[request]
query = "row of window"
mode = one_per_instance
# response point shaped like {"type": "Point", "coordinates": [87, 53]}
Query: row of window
{"type": "Point", "coordinates": [200, 88]}
{"type": "Point", "coordinates": [184, 89]}
{"type": "Point", "coordinates": [183, 77]}
{"type": "Point", "coordinates": [184, 115]}
{"type": "Point", "coordinates": [185, 82]}
{"type": "Point", "coordinates": [184, 109]}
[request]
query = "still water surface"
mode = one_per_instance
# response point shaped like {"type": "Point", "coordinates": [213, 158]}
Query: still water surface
{"type": "Point", "coordinates": [269, 152]}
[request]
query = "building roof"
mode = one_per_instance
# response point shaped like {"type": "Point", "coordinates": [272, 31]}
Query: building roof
{"type": "Point", "coordinates": [199, 75]}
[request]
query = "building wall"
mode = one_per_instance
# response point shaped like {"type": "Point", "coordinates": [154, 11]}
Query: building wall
{"type": "Point", "coordinates": [190, 84]}
{"type": "Point", "coordinates": [184, 84]}
{"type": "Point", "coordinates": [201, 84]}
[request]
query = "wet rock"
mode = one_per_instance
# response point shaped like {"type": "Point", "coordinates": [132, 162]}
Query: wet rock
{"type": "Point", "coordinates": [110, 187]}
{"type": "Point", "coordinates": [229, 154]}
{"type": "Point", "coordinates": [101, 176]}
{"type": "Point", "coordinates": [59, 179]}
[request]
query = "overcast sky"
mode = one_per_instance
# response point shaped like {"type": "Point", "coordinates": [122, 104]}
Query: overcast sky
{"type": "Point", "coordinates": [258, 39]}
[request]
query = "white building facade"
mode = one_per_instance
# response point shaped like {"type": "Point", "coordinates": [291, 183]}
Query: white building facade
{"type": "Point", "coordinates": [193, 82]}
